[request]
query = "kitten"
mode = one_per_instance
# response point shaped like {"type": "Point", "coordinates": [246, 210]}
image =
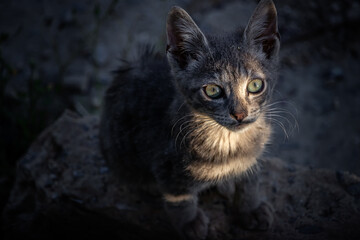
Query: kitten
{"type": "Point", "coordinates": [198, 119]}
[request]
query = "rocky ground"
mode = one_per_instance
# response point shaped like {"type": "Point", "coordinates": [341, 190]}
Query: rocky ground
{"type": "Point", "coordinates": [59, 54]}
{"type": "Point", "coordinates": [64, 189]}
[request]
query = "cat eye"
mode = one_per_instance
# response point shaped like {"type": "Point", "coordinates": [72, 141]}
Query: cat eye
{"type": "Point", "coordinates": [255, 86]}
{"type": "Point", "coordinates": [213, 91]}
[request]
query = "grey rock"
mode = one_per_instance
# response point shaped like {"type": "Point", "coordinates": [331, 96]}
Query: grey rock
{"type": "Point", "coordinates": [350, 182]}
{"type": "Point", "coordinates": [101, 56]}
{"type": "Point", "coordinates": [310, 229]}
{"type": "Point", "coordinates": [76, 82]}
{"type": "Point", "coordinates": [233, 15]}
{"type": "Point", "coordinates": [95, 204]}
{"type": "Point", "coordinates": [104, 170]}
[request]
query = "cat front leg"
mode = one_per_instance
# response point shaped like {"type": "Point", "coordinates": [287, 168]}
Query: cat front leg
{"type": "Point", "coordinates": [227, 189]}
{"type": "Point", "coordinates": [254, 212]}
{"type": "Point", "coordinates": [189, 220]}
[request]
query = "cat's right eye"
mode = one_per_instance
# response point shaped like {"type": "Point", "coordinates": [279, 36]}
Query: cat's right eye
{"type": "Point", "coordinates": [213, 91]}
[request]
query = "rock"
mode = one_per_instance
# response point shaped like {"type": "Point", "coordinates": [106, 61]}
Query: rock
{"type": "Point", "coordinates": [333, 77]}
{"type": "Point", "coordinates": [78, 83]}
{"type": "Point", "coordinates": [229, 18]}
{"type": "Point", "coordinates": [350, 182]}
{"type": "Point", "coordinates": [101, 55]}
{"type": "Point", "coordinates": [64, 189]}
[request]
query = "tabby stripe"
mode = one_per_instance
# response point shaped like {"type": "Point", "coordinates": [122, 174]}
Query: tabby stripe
{"type": "Point", "coordinates": [177, 198]}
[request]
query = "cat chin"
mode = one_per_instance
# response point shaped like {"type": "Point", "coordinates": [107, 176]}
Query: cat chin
{"type": "Point", "coordinates": [238, 127]}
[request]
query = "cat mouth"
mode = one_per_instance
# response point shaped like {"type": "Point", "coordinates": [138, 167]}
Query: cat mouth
{"type": "Point", "coordinates": [240, 125]}
{"type": "Point", "coordinates": [236, 126]}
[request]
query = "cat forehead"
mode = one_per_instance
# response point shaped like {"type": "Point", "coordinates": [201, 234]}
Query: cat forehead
{"type": "Point", "coordinates": [233, 56]}
{"type": "Point", "coordinates": [238, 69]}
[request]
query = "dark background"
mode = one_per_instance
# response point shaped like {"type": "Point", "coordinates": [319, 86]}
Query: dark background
{"type": "Point", "coordinates": [57, 55]}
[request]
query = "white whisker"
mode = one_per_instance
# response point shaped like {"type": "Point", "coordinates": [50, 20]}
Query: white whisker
{"type": "Point", "coordinates": [172, 129]}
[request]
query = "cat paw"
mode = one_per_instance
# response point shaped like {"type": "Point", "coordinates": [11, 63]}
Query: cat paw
{"type": "Point", "coordinates": [197, 228]}
{"type": "Point", "coordinates": [259, 219]}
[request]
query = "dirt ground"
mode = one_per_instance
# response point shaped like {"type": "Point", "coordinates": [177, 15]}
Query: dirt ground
{"type": "Point", "coordinates": [60, 54]}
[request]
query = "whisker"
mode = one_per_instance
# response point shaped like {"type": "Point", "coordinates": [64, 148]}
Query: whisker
{"type": "Point", "coordinates": [180, 133]}
{"type": "Point", "coordinates": [282, 117]}
{"type": "Point", "coordinates": [172, 129]}
{"type": "Point", "coordinates": [184, 137]}
{"type": "Point", "coordinates": [188, 124]}
{"type": "Point", "coordinates": [280, 124]}
{"type": "Point", "coordinates": [201, 130]}
{"type": "Point", "coordinates": [281, 110]}
{"type": "Point", "coordinates": [181, 106]}
{"type": "Point", "coordinates": [287, 102]}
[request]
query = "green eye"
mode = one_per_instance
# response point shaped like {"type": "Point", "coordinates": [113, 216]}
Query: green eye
{"type": "Point", "coordinates": [213, 91]}
{"type": "Point", "coordinates": [255, 86]}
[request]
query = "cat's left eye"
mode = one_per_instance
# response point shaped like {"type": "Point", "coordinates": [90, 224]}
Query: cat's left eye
{"type": "Point", "coordinates": [255, 86]}
{"type": "Point", "coordinates": [213, 91]}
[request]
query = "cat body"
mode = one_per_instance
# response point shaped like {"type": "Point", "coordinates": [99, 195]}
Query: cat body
{"type": "Point", "coordinates": [197, 119]}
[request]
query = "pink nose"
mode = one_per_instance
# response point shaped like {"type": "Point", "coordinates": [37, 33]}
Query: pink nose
{"type": "Point", "coordinates": [239, 116]}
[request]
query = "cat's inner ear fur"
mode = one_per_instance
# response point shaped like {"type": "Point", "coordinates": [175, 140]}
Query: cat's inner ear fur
{"type": "Point", "coordinates": [185, 41]}
{"type": "Point", "coordinates": [262, 29]}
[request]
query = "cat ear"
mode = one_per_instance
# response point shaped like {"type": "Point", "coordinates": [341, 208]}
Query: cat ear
{"type": "Point", "coordinates": [262, 30]}
{"type": "Point", "coordinates": [185, 41]}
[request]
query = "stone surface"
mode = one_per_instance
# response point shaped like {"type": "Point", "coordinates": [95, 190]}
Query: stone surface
{"type": "Point", "coordinates": [76, 82]}
{"type": "Point", "coordinates": [64, 189]}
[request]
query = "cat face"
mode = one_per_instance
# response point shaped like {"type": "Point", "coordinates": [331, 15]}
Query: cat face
{"type": "Point", "coordinates": [231, 94]}
{"type": "Point", "coordinates": [228, 79]}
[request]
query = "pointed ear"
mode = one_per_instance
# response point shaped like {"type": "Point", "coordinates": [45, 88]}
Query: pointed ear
{"type": "Point", "coordinates": [185, 42]}
{"type": "Point", "coordinates": [262, 30]}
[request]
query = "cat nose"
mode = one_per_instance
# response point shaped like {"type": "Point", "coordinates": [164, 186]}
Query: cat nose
{"type": "Point", "coordinates": [239, 116]}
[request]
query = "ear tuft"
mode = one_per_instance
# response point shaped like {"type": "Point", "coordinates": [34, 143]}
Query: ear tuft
{"type": "Point", "coordinates": [185, 41]}
{"type": "Point", "coordinates": [262, 30]}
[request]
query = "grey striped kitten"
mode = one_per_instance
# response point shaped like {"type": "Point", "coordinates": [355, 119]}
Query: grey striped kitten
{"type": "Point", "coordinates": [198, 119]}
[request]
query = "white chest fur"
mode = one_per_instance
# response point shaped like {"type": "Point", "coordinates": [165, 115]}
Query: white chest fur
{"type": "Point", "coordinates": [238, 151]}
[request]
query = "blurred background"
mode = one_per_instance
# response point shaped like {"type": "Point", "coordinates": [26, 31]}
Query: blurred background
{"type": "Point", "coordinates": [57, 55]}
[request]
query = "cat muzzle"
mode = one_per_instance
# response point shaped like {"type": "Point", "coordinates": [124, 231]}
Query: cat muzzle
{"type": "Point", "coordinates": [239, 116]}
